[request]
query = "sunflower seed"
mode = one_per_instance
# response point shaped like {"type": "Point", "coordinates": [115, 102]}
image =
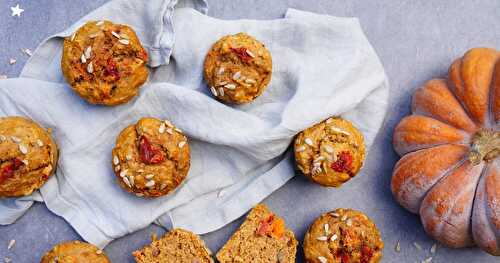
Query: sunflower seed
{"type": "Point", "coordinates": [139, 194]}
{"type": "Point", "coordinates": [90, 68]}
{"type": "Point", "coordinates": [322, 259]}
{"type": "Point", "coordinates": [329, 120]}
{"type": "Point", "coordinates": [327, 228]}
{"type": "Point", "coordinates": [162, 186]}
{"type": "Point", "coordinates": [149, 176]}
{"type": "Point", "coordinates": [73, 36]}
{"type": "Point", "coordinates": [124, 41]}
{"type": "Point", "coordinates": [329, 149]}
{"type": "Point", "coordinates": [15, 139]}
{"type": "Point", "coordinates": [116, 161]}
{"type": "Point", "coordinates": [181, 144]}
{"type": "Point", "coordinates": [83, 59]}
{"type": "Point", "coordinates": [322, 238]}
{"type": "Point", "coordinates": [88, 52]}
{"type": "Point", "coordinates": [25, 162]}
{"type": "Point", "coordinates": [308, 141]}
{"type": "Point", "coordinates": [319, 159]}
{"type": "Point", "coordinates": [162, 128]}
{"type": "Point", "coordinates": [140, 171]}
{"type": "Point", "coordinates": [12, 61]}
{"type": "Point", "coordinates": [335, 129]}
{"type": "Point", "coordinates": [250, 81]}
{"type": "Point", "coordinates": [117, 168]}
{"type": "Point", "coordinates": [221, 193]}
{"type": "Point", "coordinates": [168, 123]}
{"type": "Point", "coordinates": [221, 92]}
{"type": "Point", "coordinates": [334, 237]}
{"type": "Point", "coordinates": [150, 184]}
{"type": "Point", "coordinates": [433, 249]}
{"type": "Point", "coordinates": [170, 131]}
{"type": "Point", "coordinates": [417, 245]}
{"type": "Point", "coordinates": [398, 247]}
{"type": "Point", "coordinates": [127, 182]}
{"type": "Point", "coordinates": [132, 180]}
{"type": "Point", "coordinates": [178, 130]}
{"type": "Point", "coordinates": [349, 222]}
{"type": "Point", "coordinates": [212, 89]}
{"type": "Point", "coordinates": [300, 148]}
{"type": "Point", "coordinates": [99, 23]}
{"type": "Point", "coordinates": [2, 138]}
{"type": "Point", "coordinates": [23, 149]}
{"type": "Point", "coordinates": [123, 173]}
{"type": "Point", "coordinates": [220, 71]}
{"type": "Point", "coordinates": [335, 214]}
{"type": "Point", "coordinates": [250, 53]}
{"type": "Point", "coordinates": [93, 35]}
{"type": "Point", "coordinates": [344, 217]}
{"type": "Point", "coordinates": [222, 83]}
{"type": "Point", "coordinates": [98, 252]}
{"type": "Point", "coordinates": [230, 86]}
{"type": "Point", "coordinates": [128, 156]}
{"type": "Point", "coordinates": [115, 34]}
{"type": "Point", "coordinates": [39, 143]}
{"type": "Point", "coordinates": [124, 36]}
{"type": "Point", "coordinates": [237, 75]}
{"type": "Point", "coordinates": [12, 242]}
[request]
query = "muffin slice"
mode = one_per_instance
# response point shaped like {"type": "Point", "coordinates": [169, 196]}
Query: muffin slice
{"type": "Point", "coordinates": [178, 246]}
{"type": "Point", "coordinates": [263, 237]}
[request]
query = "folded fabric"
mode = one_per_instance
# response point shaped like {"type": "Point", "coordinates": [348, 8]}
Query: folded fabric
{"type": "Point", "coordinates": [322, 66]}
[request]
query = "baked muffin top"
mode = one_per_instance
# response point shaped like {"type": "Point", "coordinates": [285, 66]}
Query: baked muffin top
{"type": "Point", "coordinates": [343, 235]}
{"type": "Point", "coordinates": [75, 252]}
{"type": "Point", "coordinates": [104, 63]}
{"type": "Point", "coordinates": [238, 68]}
{"type": "Point", "coordinates": [28, 156]}
{"type": "Point", "coordinates": [151, 158]}
{"type": "Point", "coordinates": [330, 152]}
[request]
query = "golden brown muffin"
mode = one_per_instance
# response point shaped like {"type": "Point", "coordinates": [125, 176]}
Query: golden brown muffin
{"type": "Point", "coordinates": [263, 237]}
{"type": "Point", "coordinates": [75, 252]}
{"type": "Point", "coordinates": [104, 63]}
{"type": "Point", "coordinates": [151, 158]}
{"type": "Point", "coordinates": [341, 236]}
{"type": "Point", "coordinates": [330, 152]}
{"type": "Point", "coordinates": [28, 156]}
{"type": "Point", "coordinates": [178, 246]}
{"type": "Point", "coordinates": [238, 68]}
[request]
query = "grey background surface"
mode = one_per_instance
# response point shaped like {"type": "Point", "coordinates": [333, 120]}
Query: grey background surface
{"type": "Point", "coordinates": [416, 41]}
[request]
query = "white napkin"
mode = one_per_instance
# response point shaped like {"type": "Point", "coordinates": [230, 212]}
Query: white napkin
{"type": "Point", "coordinates": [322, 66]}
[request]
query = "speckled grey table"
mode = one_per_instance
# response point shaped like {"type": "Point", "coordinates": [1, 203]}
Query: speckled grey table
{"type": "Point", "coordinates": [416, 40]}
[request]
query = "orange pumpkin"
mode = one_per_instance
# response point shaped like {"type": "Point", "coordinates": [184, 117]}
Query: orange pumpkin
{"type": "Point", "coordinates": [449, 172]}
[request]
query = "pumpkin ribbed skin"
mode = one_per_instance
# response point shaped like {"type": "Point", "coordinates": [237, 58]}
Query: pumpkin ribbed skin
{"type": "Point", "coordinates": [454, 121]}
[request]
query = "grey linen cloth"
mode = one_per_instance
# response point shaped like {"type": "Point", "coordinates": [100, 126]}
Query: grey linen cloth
{"type": "Point", "coordinates": [322, 66]}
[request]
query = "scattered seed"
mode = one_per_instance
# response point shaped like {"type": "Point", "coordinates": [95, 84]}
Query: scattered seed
{"type": "Point", "coordinates": [27, 51]}
{"type": "Point", "coordinates": [15, 139]}
{"type": "Point", "coordinates": [230, 86]}
{"type": "Point", "coordinates": [237, 75]}
{"type": "Point", "coordinates": [7, 260]}
{"type": "Point", "coordinates": [116, 161]}
{"type": "Point", "coordinates": [88, 52]}
{"type": "Point", "coordinates": [417, 246]}
{"type": "Point", "coordinates": [398, 247]}
{"type": "Point", "coordinates": [322, 238]}
{"type": "Point", "coordinates": [221, 92]}
{"type": "Point", "coordinates": [124, 173]}
{"type": "Point", "coordinates": [322, 259]}
{"type": "Point", "coordinates": [250, 53]}
{"type": "Point", "coordinates": [83, 59]}
{"type": "Point", "coordinates": [115, 34]}
{"type": "Point", "coordinates": [12, 61]}
{"type": "Point", "coordinates": [308, 141]}
{"type": "Point", "coordinates": [162, 128]}
{"type": "Point", "coordinates": [127, 182]}
{"type": "Point", "coordinates": [98, 252]}
{"type": "Point", "coordinates": [90, 68]}
{"type": "Point", "coordinates": [23, 149]}
{"type": "Point", "coordinates": [181, 144]}
{"type": "Point", "coordinates": [300, 148]}
{"type": "Point", "coordinates": [39, 143]}
{"type": "Point", "coordinates": [334, 237]}
{"type": "Point", "coordinates": [250, 81]}
{"type": "Point", "coordinates": [150, 184]}
{"type": "Point", "coordinates": [220, 193]}
{"type": "Point", "coordinates": [433, 249]}
{"type": "Point", "coordinates": [124, 41]}
{"type": "Point", "coordinates": [12, 242]}
{"type": "Point", "coordinates": [220, 71]}
{"type": "Point", "coordinates": [213, 91]}
{"type": "Point", "coordinates": [149, 176]}
{"type": "Point", "coordinates": [327, 228]}
{"type": "Point", "coordinates": [168, 123]}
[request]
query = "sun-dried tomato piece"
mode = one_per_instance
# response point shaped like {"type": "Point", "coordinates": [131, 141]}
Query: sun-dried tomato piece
{"type": "Point", "coordinates": [242, 53]}
{"type": "Point", "coordinates": [149, 153]}
{"type": "Point", "coordinates": [8, 170]}
{"type": "Point", "coordinates": [344, 257]}
{"type": "Point", "coordinates": [265, 226]}
{"type": "Point", "coordinates": [111, 70]}
{"type": "Point", "coordinates": [343, 162]}
{"type": "Point", "coordinates": [366, 254]}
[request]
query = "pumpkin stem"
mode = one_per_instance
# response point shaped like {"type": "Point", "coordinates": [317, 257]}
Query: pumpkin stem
{"type": "Point", "coordinates": [485, 145]}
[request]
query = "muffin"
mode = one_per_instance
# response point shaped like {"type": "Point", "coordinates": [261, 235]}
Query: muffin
{"type": "Point", "coordinates": [343, 235]}
{"type": "Point", "coordinates": [104, 63]}
{"type": "Point", "coordinates": [263, 237]}
{"type": "Point", "coordinates": [75, 251]}
{"type": "Point", "coordinates": [151, 158]}
{"type": "Point", "coordinates": [28, 156]}
{"type": "Point", "coordinates": [178, 246]}
{"type": "Point", "coordinates": [331, 152]}
{"type": "Point", "coordinates": [238, 68]}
